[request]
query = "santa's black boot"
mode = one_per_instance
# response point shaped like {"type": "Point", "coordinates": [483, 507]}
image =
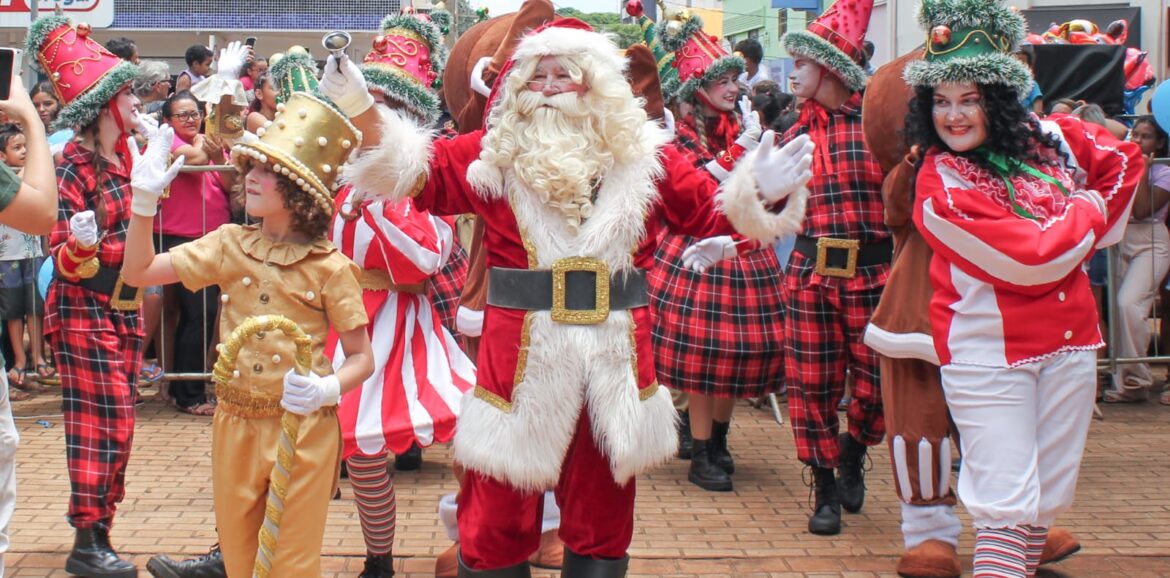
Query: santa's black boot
{"type": "Point", "coordinates": [521, 570]}
{"type": "Point", "coordinates": [92, 555]}
{"type": "Point", "coordinates": [577, 566]}
{"type": "Point", "coordinates": [209, 565]}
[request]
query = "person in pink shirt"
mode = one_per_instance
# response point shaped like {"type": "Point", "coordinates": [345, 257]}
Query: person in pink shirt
{"type": "Point", "coordinates": [198, 204]}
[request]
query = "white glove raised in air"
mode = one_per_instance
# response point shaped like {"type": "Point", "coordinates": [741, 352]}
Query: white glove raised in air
{"type": "Point", "coordinates": [705, 253]}
{"type": "Point", "coordinates": [84, 228]}
{"type": "Point", "coordinates": [231, 60]}
{"type": "Point", "coordinates": [750, 137]}
{"type": "Point", "coordinates": [781, 171]}
{"type": "Point", "coordinates": [344, 84]}
{"type": "Point", "coordinates": [151, 174]}
{"type": "Point", "coordinates": [305, 394]}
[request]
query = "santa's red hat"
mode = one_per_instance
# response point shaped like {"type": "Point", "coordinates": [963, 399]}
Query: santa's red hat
{"type": "Point", "coordinates": [835, 40]}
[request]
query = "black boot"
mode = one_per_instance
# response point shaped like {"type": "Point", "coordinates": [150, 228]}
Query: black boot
{"type": "Point", "coordinates": [521, 570]}
{"type": "Point", "coordinates": [378, 566]}
{"type": "Point", "coordinates": [720, 455]}
{"type": "Point", "coordinates": [209, 565]}
{"type": "Point", "coordinates": [685, 442]}
{"type": "Point", "coordinates": [826, 518]}
{"type": "Point", "coordinates": [577, 566]}
{"type": "Point", "coordinates": [704, 473]}
{"type": "Point", "coordinates": [410, 460]}
{"type": "Point", "coordinates": [93, 557]}
{"type": "Point", "coordinates": [851, 474]}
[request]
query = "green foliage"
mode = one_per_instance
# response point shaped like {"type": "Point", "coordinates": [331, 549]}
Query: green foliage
{"type": "Point", "coordinates": [625, 35]}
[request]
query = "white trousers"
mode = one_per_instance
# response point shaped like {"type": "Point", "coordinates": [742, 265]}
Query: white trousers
{"type": "Point", "coordinates": [9, 439]}
{"type": "Point", "coordinates": [1145, 258]}
{"type": "Point", "coordinates": [1022, 431]}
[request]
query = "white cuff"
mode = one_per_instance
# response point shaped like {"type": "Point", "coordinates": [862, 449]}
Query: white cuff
{"type": "Point", "coordinates": [330, 390]}
{"type": "Point", "coordinates": [144, 203]}
{"type": "Point", "coordinates": [354, 103]}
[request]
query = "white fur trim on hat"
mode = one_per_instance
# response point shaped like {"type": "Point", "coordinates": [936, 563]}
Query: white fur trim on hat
{"type": "Point", "coordinates": [554, 41]}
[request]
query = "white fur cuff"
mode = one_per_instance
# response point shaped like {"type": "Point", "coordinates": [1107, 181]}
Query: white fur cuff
{"type": "Point", "coordinates": [391, 169]}
{"type": "Point", "coordinates": [739, 199]}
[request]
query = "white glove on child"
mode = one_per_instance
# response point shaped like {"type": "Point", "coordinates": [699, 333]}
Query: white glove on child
{"type": "Point", "coordinates": [84, 228]}
{"type": "Point", "coordinates": [305, 394]}
{"type": "Point", "coordinates": [750, 137]}
{"type": "Point", "coordinates": [708, 252]}
{"type": "Point", "coordinates": [150, 174]}
{"type": "Point", "coordinates": [781, 171]}
{"type": "Point", "coordinates": [344, 84]}
{"type": "Point", "coordinates": [231, 60]}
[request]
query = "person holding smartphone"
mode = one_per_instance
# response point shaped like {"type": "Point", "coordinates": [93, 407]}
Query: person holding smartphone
{"type": "Point", "coordinates": [29, 205]}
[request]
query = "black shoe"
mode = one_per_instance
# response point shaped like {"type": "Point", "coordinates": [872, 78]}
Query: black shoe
{"type": "Point", "coordinates": [521, 570]}
{"type": "Point", "coordinates": [720, 455]}
{"type": "Point", "coordinates": [577, 566]}
{"type": "Point", "coordinates": [209, 565]}
{"type": "Point", "coordinates": [378, 567]}
{"type": "Point", "coordinates": [704, 473]}
{"type": "Point", "coordinates": [92, 556]}
{"type": "Point", "coordinates": [851, 473]}
{"type": "Point", "coordinates": [410, 460]}
{"type": "Point", "coordinates": [685, 442]}
{"type": "Point", "coordinates": [826, 518]}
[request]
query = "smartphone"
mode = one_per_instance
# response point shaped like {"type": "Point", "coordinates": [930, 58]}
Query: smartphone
{"type": "Point", "coordinates": [250, 41]}
{"type": "Point", "coordinates": [9, 67]}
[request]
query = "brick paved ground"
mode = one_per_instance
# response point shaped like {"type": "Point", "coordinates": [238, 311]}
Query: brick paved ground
{"type": "Point", "coordinates": [1122, 513]}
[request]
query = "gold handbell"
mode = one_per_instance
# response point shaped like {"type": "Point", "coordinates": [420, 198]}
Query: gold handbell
{"type": "Point", "coordinates": [89, 268]}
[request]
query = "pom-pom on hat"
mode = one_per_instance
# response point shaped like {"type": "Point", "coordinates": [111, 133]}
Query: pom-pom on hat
{"type": "Point", "coordinates": [85, 76]}
{"type": "Point", "coordinates": [406, 63]}
{"type": "Point", "coordinates": [292, 72]}
{"type": "Point", "coordinates": [699, 58]}
{"type": "Point", "coordinates": [970, 41]}
{"type": "Point", "coordinates": [835, 40]}
{"type": "Point", "coordinates": [306, 142]}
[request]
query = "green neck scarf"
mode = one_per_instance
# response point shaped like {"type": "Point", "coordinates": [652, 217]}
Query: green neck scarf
{"type": "Point", "coordinates": [1005, 168]}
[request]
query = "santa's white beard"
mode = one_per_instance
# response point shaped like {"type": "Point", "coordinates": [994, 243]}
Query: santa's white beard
{"type": "Point", "coordinates": [557, 154]}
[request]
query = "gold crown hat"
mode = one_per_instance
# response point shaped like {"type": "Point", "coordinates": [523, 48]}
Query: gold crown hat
{"type": "Point", "coordinates": [307, 142]}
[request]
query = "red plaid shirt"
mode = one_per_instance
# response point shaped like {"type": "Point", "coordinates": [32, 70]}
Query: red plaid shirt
{"type": "Point", "coordinates": [78, 190]}
{"type": "Point", "coordinates": [846, 200]}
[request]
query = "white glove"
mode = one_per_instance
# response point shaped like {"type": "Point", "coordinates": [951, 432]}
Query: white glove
{"type": "Point", "coordinates": [344, 84]}
{"type": "Point", "coordinates": [708, 252]}
{"type": "Point", "coordinates": [305, 394]}
{"type": "Point", "coordinates": [750, 137]}
{"type": "Point", "coordinates": [150, 174]}
{"type": "Point", "coordinates": [231, 60]}
{"type": "Point", "coordinates": [84, 228]}
{"type": "Point", "coordinates": [781, 171]}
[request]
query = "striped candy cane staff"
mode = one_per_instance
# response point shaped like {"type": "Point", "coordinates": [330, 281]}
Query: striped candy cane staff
{"type": "Point", "coordinates": [290, 425]}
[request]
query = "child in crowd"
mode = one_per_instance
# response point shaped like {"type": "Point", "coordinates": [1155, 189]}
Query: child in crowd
{"type": "Point", "coordinates": [19, 256]}
{"type": "Point", "coordinates": [283, 266]}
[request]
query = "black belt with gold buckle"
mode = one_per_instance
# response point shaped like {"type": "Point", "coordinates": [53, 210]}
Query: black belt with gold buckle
{"type": "Point", "coordinates": [570, 291]}
{"type": "Point", "coordinates": [108, 281]}
{"type": "Point", "coordinates": [842, 257]}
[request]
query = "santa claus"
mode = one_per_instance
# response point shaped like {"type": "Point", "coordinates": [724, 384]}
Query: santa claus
{"type": "Point", "coordinates": [573, 183]}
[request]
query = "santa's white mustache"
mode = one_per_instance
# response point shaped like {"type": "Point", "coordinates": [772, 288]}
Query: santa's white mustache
{"type": "Point", "coordinates": [569, 103]}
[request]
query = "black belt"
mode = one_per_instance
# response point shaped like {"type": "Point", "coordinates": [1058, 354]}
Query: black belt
{"type": "Point", "coordinates": [842, 257]}
{"type": "Point", "coordinates": [570, 291]}
{"type": "Point", "coordinates": [108, 282]}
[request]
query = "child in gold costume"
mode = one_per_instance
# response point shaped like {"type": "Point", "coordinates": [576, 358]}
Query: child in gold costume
{"type": "Point", "coordinates": [284, 266]}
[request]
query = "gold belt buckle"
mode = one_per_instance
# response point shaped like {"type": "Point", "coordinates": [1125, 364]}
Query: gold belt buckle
{"type": "Point", "coordinates": [826, 243]}
{"type": "Point", "coordinates": [119, 304]}
{"type": "Point", "coordinates": [600, 311]}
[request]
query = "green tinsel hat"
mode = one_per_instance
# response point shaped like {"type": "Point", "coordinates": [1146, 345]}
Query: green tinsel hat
{"type": "Point", "coordinates": [406, 63]}
{"type": "Point", "coordinates": [667, 75]}
{"type": "Point", "coordinates": [834, 40]}
{"type": "Point", "coordinates": [970, 41]}
{"type": "Point", "coordinates": [85, 76]}
{"type": "Point", "coordinates": [699, 58]}
{"type": "Point", "coordinates": [293, 71]}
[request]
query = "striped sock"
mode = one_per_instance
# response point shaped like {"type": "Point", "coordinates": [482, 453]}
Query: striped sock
{"type": "Point", "coordinates": [1037, 536]}
{"type": "Point", "coordinates": [373, 490]}
{"type": "Point", "coordinates": [1001, 553]}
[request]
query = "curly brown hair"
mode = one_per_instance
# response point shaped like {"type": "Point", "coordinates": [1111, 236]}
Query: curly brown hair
{"type": "Point", "coordinates": [308, 217]}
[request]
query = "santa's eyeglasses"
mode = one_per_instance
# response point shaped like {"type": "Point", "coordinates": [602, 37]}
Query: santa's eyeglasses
{"type": "Point", "coordinates": [557, 84]}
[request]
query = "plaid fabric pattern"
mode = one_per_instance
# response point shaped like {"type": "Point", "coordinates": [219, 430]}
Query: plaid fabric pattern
{"type": "Point", "coordinates": [823, 332]}
{"type": "Point", "coordinates": [446, 286]}
{"type": "Point", "coordinates": [78, 190]}
{"type": "Point", "coordinates": [98, 352]}
{"type": "Point", "coordinates": [720, 332]}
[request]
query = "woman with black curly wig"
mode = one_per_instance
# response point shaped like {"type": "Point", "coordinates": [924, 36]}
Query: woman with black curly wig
{"type": "Point", "coordinates": [1012, 207]}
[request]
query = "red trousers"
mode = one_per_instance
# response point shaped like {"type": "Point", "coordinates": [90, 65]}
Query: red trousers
{"type": "Point", "coordinates": [499, 526]}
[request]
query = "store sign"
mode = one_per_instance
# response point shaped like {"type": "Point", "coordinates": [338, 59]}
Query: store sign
{"type": "Point", "coordinates": [98, 13]}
